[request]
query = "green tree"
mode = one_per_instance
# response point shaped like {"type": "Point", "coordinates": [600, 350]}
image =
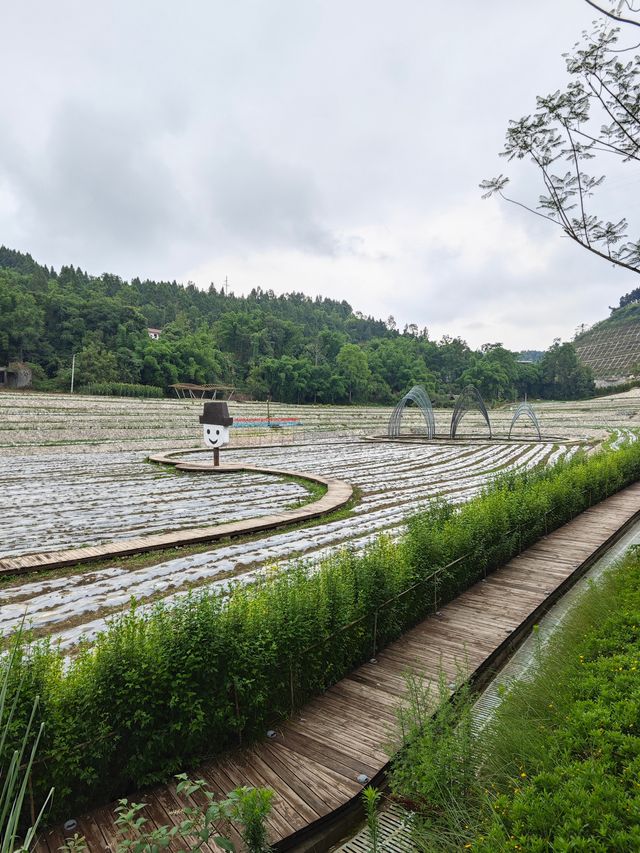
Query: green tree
{"type": "Point", "coordinates": [21, 321]}
{"type": "Point", "coordinates": [94, 363]}
{"type": "Point", "coordinates": [562, 375]}
{"type": "Point", "coordinates": [353, 367]}
{"type": "Point", "coordinates": [449, 359]}
{"type": "Point", "coordinates": [596, 116]}
{"type": "Point", "coordinates": [396, 364]}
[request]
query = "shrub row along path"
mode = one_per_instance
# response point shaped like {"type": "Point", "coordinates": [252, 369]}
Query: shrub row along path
{"type": "Point", "coordinates": [315, 759]}
{"type": "Point", "coordinates": [337, 495]}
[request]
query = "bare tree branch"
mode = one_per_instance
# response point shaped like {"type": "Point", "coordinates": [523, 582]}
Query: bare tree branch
{"type": "Point", "coordinates": [613, 14]}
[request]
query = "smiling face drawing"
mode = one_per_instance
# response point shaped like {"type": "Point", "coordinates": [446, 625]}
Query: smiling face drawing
{"type": "Point", "coordinates": [215, 435]}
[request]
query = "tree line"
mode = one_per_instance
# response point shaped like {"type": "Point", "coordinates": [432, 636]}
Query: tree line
{"type": "Point", "coordinates": [294, 348]}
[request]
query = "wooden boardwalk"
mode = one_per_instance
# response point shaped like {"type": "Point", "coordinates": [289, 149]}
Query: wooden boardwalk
{"type": "Point", "coordinates": [314, 762]}
{"type": "Point", "coordinates": [338, 494]}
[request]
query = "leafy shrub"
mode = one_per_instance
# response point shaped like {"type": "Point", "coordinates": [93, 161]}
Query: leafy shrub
{"type": "Point", "coordinates": [156, 692]}
{"type": "Point", "coordinates": [121, 389]}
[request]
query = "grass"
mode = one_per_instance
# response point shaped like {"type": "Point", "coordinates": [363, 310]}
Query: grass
{"type": "Point", "coordinates": [556, 769]}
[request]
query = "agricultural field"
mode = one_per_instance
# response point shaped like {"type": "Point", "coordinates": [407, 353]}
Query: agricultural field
{"type": "Point", "coordinates": [74, 471]}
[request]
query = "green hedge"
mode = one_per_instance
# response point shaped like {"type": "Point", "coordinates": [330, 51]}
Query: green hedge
{"type": "Point", "coordinates": [617, 389]}
{"type": "Point", "coordinates": [121, 389]}
{"type": "Point", "coordinates": [155, 693]}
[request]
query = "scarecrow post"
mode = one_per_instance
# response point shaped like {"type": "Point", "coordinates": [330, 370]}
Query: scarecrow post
{"type": "Point", "coordinates": [215, 422]}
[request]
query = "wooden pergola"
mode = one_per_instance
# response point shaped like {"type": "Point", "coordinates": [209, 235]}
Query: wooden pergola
{"type": "Point", "coordinates": [200, 392]}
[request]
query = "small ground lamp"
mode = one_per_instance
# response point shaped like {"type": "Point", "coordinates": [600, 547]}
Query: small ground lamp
{"type": "Point", "coordinates": [215, 422]}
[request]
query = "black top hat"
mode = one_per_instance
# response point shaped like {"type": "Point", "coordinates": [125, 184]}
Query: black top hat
{"type": "Point", "coordinates": [216, 413]}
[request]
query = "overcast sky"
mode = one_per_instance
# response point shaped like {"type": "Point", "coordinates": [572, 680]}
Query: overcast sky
{"type": "Point", "coordinates": [320, 146]}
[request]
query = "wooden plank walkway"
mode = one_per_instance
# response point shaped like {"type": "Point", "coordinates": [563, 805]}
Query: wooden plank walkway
{"type": "Point", "coordinates": [338, 494]}
{"type": "Point", "coordinates": [314, 762]}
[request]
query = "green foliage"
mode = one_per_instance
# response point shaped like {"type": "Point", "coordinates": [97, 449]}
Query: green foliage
{"type": "Point", "coordinates": [251, 807]}
{"type": "Point", "coordinates": [556, 768]}
{"type": "Point", "coordinates": [370, 800]}
{"type": "Point", "coordinates": [246, 807]}
{"type": "Point", "coordinates": [354, 368]}
{"type": "Point", "coordinates": [562, 375]}
{"type": "Point", "coordinates": [434, 772]}
{"type": "Point", "coordinates": [121, 389]}
{"type": "Point", "coordinates": [157, 691]}
{"type": "Point", "coordinates": [18, 746]}
{"type": "Point", "coordinates": [292, 348]}
{"type": "Point", "coordinates": [597, 113]}
{"type": "Point", "coordinates": [570, 780]}
{"type": "Point", "coordinates": [493, 373]}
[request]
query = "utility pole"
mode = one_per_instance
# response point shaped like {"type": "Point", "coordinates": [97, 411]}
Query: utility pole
{"type": "Point", "coordinates": [226, 286]}
{"type": "Point", "coordinates": [73, 370]}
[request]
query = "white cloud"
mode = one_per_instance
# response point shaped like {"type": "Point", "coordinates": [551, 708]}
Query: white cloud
{"type": "Point", "coordinates": [333, 148]}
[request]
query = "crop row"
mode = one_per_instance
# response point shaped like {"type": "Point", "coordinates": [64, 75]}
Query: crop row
{"type": "Point", "coordinates": [155, 692]}
{"type": "Point", "coordinates": [55, 503]}
{"type": "Point", "coordinates": [395, 481]}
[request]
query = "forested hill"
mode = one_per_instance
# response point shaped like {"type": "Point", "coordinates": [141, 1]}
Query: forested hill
{"type": "Point", "coordinates": [293, 347]}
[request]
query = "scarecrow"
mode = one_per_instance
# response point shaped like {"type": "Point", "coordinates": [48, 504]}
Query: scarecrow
{"type": "Point", "coordinates": [215, 422]}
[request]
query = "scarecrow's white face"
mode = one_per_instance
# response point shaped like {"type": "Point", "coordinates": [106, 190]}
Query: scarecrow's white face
{"type": "Point", "coordinates": [215, 435]}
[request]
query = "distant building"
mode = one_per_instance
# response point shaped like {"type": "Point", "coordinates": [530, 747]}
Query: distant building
{"type": "Point", "coordinates": [16, 375]}
{"type": "Point", "coordinates": [154, 334]}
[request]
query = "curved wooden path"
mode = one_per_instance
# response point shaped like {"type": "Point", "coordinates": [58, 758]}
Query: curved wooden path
{"type": "Point", "coordinates": [315, 759]}
{"type": "Point", "coordinates": [338, 493]}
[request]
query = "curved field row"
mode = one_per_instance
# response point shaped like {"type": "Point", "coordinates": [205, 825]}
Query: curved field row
{"type": "Point", "coordinates": [54, 503]}
{"type": "Point", "coordinates": [395, 480]}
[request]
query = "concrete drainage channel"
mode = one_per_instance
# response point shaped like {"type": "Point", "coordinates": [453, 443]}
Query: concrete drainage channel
{"type": "Point", "coordinates": [395, 822]}
{"type": "Point", "coordinates": [394, 834]}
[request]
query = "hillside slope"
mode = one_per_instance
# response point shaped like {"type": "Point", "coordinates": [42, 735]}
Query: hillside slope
{"type": "Point", "coordinates": [612, 347]}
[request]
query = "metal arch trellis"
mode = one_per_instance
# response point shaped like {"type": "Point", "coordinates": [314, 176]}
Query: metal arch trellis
{"type": "Point", "coordinates": [420, 397]}
{"type": "Point", "coordinates": [526, 410]}
{"type": "Point", "coordinates": [469, 398]}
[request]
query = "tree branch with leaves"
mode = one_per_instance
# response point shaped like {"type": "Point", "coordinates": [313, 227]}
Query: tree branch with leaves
{"type": "Point", "coordinates": [597, 115]}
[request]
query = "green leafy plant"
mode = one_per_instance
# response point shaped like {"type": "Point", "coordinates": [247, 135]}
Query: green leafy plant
{"type": "Point", "coordinates": [121, 389]}
{"type": "Point", "coordinates": [371, 800]}
{"type": "Point", "coordinates": [434, 771]}
{"type": "Point", "coordinates": [15, 770]}
{"type": "Point", "coordinates": [248, 808]}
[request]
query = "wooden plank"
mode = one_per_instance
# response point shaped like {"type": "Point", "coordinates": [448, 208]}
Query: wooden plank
{"type": "Point", "coordinates": [331, 786]}
{"type": "Point", "coordinates": [325, 752]}
{"type": "Point", "coordinates": [96, 839]}
{"type": "Point", "coordinates": [317, 730]}
{"type": "Point", "coordinates": [272, 780]}
{"type": "Point", "coordinates": [292, 782]}
{"type": "Point", "coordinates": [244, 774]}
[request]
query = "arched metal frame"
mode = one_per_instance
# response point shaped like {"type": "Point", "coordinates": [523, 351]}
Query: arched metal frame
{"type": "Point", "coordinates": [470, 398]}
{"type": "Point", "coordinates": [526, 410]}
{"type": "Point", "coordinates": [420, 397]}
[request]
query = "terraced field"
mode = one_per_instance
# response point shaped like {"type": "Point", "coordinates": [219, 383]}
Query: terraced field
{"type": "Point", "coordinates": [50, 503]}
{"type": "Point", "coordinates": [70, 475]}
